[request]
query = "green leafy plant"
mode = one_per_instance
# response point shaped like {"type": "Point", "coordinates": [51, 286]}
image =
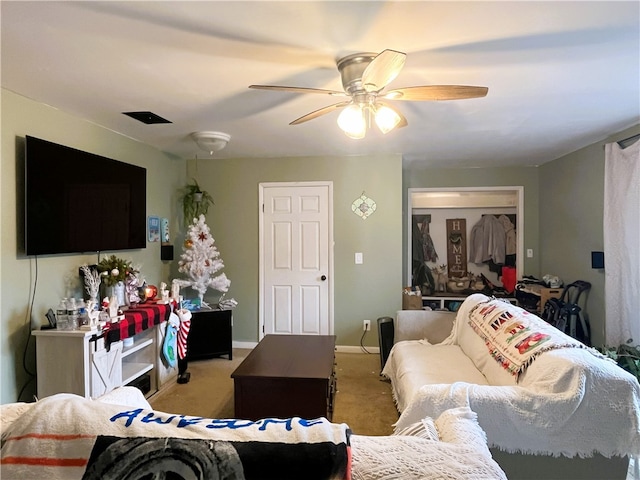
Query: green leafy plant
{"type": "Point", "coordinates": [626, 356]}
{"type": "Point", "coordinates": [195, 202]}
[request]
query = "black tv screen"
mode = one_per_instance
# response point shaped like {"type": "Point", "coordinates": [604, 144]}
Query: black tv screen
{"type": "Point", "coordinates": [77, 201]}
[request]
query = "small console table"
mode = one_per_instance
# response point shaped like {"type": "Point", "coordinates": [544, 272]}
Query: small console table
{"type": "Point", "coordinates": [91, 364]}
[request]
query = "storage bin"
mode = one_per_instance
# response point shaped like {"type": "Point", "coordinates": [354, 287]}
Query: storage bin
{"type": "Point", "coordinates": [411, 302]}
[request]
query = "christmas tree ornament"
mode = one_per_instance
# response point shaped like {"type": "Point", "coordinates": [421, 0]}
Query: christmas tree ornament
{"type": "Point", "coordinates": [150, 292]}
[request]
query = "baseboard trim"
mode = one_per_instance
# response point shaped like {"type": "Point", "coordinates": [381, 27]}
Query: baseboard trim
{"type": "Point", "coordinates": [249, 345]}
{"type": "Point", "coordinates": [339, 348]}
{"type": "Point", "coordinates": [356, 349]}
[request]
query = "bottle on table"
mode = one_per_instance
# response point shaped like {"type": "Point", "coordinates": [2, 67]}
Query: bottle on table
{"type": "Point", "coordinates": [62, 320]}
{"type": "Point", "coordinates": [72, 314]}
{"type": "Point", "coordinates": [83, 316]}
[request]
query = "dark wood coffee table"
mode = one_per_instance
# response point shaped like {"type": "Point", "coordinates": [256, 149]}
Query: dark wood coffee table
{"type": "Point", "coordinates": [287, 376]}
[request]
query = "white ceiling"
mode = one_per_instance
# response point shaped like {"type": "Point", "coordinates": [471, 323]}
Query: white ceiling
{"type": "Point", "coordinates": [561, 75]}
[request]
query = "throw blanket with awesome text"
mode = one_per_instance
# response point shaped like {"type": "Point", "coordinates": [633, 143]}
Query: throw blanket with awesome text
{"type": "Point", "coordinates": [514, 336]}
{"type": "Point", "coordinates": [68, 437]}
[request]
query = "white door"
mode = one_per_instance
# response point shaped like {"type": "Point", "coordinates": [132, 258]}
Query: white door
{"type": "Point", "coordinates": [296, 258]}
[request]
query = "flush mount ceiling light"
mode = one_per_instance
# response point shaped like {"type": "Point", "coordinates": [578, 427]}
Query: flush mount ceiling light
{"type": "Point", "coordinates": [211, 141]}
{"type": "Point", "coordinates": [364, 77]}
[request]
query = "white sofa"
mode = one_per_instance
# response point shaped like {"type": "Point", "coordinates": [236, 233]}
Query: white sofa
{"type": "Point", "coordinates": [569, 414]}
{"type": "Point", "coordinates": [66, 436]}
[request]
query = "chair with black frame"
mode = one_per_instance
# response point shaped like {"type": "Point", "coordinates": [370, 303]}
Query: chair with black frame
{"type": "Point", "coordinates": [574, 313]}
{"type": "Point", "coordinates": [567, 315]}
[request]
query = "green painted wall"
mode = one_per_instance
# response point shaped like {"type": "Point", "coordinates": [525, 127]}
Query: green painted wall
{"type": "Point", "coordinates": [57, 275]}
{"type": "Point", "coordinates": [527, 177]}
{"type": "Point", "coordinates": [366, 291]}
{"type": "Point", "coordinates": [571, 216]}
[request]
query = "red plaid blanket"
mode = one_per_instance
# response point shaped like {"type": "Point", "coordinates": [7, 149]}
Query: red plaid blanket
{"type": "Point", "coordinates": [136, 320]}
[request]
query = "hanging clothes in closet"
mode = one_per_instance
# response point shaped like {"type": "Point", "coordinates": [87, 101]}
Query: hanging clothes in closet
{"type": "Point", "coordinates": [429, 249]}
{"type": "Point", "coordinates": [487, 242]}
{"type": "Point", "coordinates": [511, 242]}
{"type": "Point", "coordinates": [423, 251]}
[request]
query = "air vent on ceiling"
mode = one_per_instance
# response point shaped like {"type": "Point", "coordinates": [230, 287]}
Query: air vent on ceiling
{"type": "Point", "coordinates": [147, 117]}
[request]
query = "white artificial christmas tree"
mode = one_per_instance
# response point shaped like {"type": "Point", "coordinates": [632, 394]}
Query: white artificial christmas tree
{"type": "Point", "coordinates": [200, 262]}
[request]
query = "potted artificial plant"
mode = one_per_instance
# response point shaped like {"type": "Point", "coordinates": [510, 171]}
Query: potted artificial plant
{"type": "Point", "coordinates": [195, 202]}
{"type": "Point", "coordinates": [626, 356]}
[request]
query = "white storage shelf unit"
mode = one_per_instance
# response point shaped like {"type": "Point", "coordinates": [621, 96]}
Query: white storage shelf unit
{"type": "Point", "coordinates": [138, 359]}
{"type": "Point", "coordinates": [79, 362]}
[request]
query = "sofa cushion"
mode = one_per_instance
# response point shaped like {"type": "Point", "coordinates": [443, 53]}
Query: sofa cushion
{"type": "Point", "coordinates": [414, 363]}
{"type": "Point", "coordinates": [433, 325]}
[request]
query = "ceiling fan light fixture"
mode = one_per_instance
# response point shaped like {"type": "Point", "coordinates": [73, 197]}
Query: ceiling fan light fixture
{"type": "Point", "coordinates": [364, 78]}
{"type": "Point", "coordinates": [211, 141]}
{"type": "Point", "coordinates": [386, 118]}
{"type": "Point", "coordinates": [352, 121]}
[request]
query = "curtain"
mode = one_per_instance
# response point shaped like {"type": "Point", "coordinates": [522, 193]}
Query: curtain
{"type": "Point", "coordinates": [622, 243]}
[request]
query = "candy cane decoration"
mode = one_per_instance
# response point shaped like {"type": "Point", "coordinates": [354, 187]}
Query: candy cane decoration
{"type": "Point", "coordinates": [183, 332]}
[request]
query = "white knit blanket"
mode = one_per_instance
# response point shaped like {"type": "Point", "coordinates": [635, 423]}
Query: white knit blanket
{"type": "Point", "coordinates": [567, 403]}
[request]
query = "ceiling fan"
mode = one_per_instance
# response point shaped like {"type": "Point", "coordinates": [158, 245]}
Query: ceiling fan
{"type": "Point", "coordinates": [364, 77]}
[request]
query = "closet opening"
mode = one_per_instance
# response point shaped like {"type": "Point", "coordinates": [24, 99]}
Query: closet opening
{"type": "Point", "coordinates": [461, 238]}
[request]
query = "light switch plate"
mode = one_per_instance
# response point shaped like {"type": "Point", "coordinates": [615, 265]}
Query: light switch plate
{"type": "Point", "coordinates": [358, 258]}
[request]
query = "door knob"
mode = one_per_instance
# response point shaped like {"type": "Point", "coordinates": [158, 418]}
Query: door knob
{"type": "Point", "coordinates": [323, 278]}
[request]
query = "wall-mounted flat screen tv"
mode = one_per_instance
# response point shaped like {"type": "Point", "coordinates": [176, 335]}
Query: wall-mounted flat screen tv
{"type": "Point", "coordinates": [77, 201]}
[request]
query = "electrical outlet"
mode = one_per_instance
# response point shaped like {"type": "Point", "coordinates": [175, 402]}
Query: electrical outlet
{"type": "Point", "coordinates": [366, 325]}
{"type": "Point", "coordinates": [529, 252]}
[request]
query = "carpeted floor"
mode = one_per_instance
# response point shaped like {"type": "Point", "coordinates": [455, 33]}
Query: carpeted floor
{"type": "Point", "coordinates": [363, 400]}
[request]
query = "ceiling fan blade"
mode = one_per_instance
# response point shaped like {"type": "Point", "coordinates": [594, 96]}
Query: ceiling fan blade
{"type": "Point", "coordinates": [436, 92]}
{"type": "Point", "coordinates": [319, 112]}
{"type": "Point", "coordinates": [382, 70]}
{"type": "Point", "coordinates": [299, 90]}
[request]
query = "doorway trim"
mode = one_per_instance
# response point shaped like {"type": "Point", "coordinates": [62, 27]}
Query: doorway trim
{"type": "Point", "coordinates": [330, 254]}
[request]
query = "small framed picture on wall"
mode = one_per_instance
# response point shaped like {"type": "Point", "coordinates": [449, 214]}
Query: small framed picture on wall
{"type": "Point", "coordinates": [154, 229]}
